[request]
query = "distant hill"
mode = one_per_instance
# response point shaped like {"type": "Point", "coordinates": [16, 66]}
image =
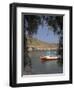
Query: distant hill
{"type": "Point", "coordinates": [37, 43]}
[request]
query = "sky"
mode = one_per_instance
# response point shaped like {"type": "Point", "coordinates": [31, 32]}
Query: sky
{"type": "Point", "coordinates": [46, 35]}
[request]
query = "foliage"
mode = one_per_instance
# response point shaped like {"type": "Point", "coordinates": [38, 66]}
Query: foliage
{"type": "Point", "coordinates": [31, 23]}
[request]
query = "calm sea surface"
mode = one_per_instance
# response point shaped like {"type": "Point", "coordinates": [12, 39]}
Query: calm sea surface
{"type": "Point", "coordinates": [48, 67]}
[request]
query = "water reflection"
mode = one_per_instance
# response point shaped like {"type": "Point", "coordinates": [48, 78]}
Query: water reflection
{"type": "Point", "coordinates": [48, 67]}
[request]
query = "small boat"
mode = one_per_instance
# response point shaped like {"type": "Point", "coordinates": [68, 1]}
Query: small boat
{"type": "Point", "coordinates": [48, 58]}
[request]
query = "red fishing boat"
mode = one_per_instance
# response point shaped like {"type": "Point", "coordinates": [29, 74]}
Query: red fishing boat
{"type": "Point", "coordinates": [48, 58]}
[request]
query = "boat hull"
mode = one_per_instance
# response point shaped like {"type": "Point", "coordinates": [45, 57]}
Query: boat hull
{"type": "Point", "coordinates": [48, 58]}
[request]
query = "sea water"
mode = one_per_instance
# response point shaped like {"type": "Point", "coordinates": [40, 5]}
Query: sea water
{"type": "Point", "coordinates": [48, 67]}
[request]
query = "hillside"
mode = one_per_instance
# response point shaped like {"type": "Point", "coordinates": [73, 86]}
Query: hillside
{"type": "Point", "coordinates": [37, 43]}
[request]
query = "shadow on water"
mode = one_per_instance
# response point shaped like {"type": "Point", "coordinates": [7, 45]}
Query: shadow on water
{"type": "Point", "coordinates": [60, 62]}
{"type": "Point", "coordinates": [27, 66]}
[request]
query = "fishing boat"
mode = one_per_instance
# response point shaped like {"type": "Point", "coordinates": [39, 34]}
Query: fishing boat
{"type": "Point", "coordinates": [49, 57]}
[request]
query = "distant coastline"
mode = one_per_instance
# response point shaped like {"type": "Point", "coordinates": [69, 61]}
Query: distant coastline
{"type": "Point", "coordinates": [35, 44]}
